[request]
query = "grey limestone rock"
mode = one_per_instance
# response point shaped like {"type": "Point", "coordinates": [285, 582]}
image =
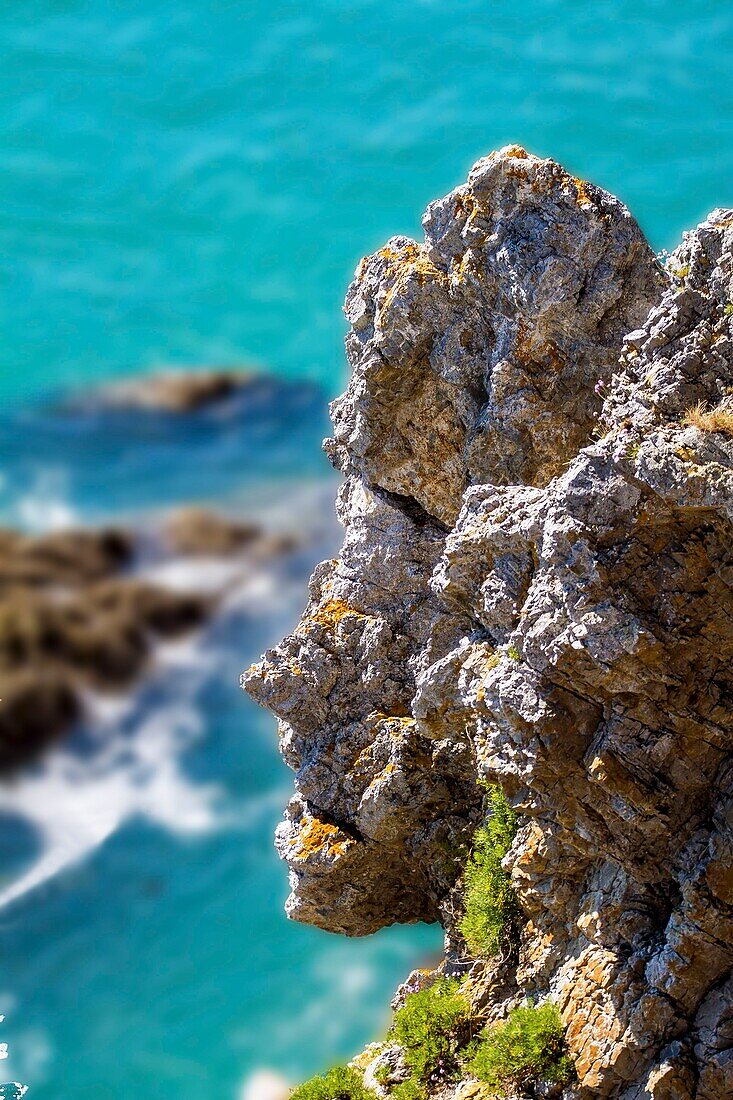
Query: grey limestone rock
{"type": "Point", "coordinates": [534, 589]}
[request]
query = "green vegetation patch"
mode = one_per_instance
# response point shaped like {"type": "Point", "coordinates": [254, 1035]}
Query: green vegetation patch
{"type": "Point", "coordinates": [409, 1090]}
{"type": "Point", "coordinates": [340, 1083]}
{"type": "Point", "coordinates": [491, 911]}
{"type": "Point", "coordinates": [528, 1047]}
{"type": "Point", "coordinates": [429, 1027]}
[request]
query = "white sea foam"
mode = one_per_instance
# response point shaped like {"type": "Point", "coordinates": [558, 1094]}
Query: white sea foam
{"type": "Point", "coordinates": [31, 1055]}
{"type": "Point", "coordinates": [197, 574]}
{"type": "Point", "coordinates": [74, 801]}
{"type": "Point", "coordinates": [37, 1044]}
{"type": "Point", "coordinates": [264, 1084]}
{"type": "Point", "coordinates": [46, 506]}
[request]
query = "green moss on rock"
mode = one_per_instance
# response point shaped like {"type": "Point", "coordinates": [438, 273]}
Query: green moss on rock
{"type": "Point", "coordinates": [491, 909]}
{"type": "Point", "coordinates": [340, 1083]}
{"type": "Point", "coordinates": [527, 1048]}
{"type": "Point", "coordinates": [428, 1027]}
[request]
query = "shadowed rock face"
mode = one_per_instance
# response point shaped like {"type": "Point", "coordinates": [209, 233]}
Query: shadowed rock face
{"type": "Point", "coordinates": [534, 589]}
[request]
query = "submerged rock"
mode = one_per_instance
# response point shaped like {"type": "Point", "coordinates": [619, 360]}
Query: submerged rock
{"type": "Point", "coordinates": [176, 391]}
{"type": "Point", "coordinates": [534, 590]}
{"type": "Point", "coordinates": [201, 532]}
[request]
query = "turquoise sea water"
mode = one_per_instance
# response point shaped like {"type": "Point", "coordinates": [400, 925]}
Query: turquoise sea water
{"type": "Point", "coordinates": [193, 183]}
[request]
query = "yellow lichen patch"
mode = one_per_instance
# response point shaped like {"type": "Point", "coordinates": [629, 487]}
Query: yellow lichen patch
{"type": "Point", "coordinates": [717, 419]}
{"type": "Point", "coordinates": [409, 262]}
{"type": "Point", "coordinates": [399, 255]}
{"type": "Point", "coordinates": [316, 836]}
{"type": "Point", "coordinates": [380, 716]}
{"type": "Point", "coordinates": [518, 171]}
{"type": "Point", "coordinates": [581, 193]}
{"type": "Point", "coordinates": [517, 151]}
{"type": "Point", "coordinates": [364, 757]}
{"type": "Point", "coordinates": [330, 614]}
{"type": "Point", "coordinates": [525, 162]}
{"type": "Point", "coordinates": [465, 204]}
{"type": "Point", "coordinates": [685, 453]}
{"type": "Point", "coordinates": [381, 776]}
{"type": "Point", "coordinates": [491, 662]}
{"type": "Point", "coordinates": [363, 1060]}
{"type": "Point", "coordinates": [425, 270]}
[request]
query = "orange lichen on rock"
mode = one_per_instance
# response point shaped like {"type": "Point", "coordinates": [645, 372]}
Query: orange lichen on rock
{"type": "Point", "coordinates": [517, 151]}
{"type": "Point", "coordinates": [409, 261]}
{"type": "Point", "coordinates": [465, 265]}
{"type": "Point", "coordinates": [380, 716]}
{"type": "Point", "coordinates": [316, 836]}
{"type": "Point", "coordinates": [492, 661]}
{"type": "Point", "coordinates": [526, 161]}
{"type": "Point", "coordinates": [399, 255]}
{"type": "Point", "coordinates": [331, 613]}
{"type": "Point", "coordinates": [581, 191]}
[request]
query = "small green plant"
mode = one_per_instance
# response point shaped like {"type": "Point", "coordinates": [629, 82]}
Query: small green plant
{"type": "Point", "coordinates": [632, 450]}
{"type": "Point", "coordinates": [340, 1083]}
{"type": "Point", "coordinates": [428, 1027]}
{"type": "Point", "coordinates": [528, 1047]}
{"type": "Point", "coordinates": [491, 910]}
{"type": "Point", "coordinates": [382, 1074]}
{"type": "Point", "coordinates": [728, 311]}
{"type": "Point", "coordinates": [514, 653]}
{"type": "Point", "coordinates": [408, 1090]}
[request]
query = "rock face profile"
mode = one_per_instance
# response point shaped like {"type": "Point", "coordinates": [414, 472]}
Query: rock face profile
{"type": "Point", "coordinates": [534, 591]}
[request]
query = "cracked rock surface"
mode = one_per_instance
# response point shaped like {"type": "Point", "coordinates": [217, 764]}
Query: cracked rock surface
{"type": "Point", "coordinates": [534, 589]}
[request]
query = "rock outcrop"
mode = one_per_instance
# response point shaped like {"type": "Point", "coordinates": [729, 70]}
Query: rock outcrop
{"type": "Point", "coordinates": [535, 590]}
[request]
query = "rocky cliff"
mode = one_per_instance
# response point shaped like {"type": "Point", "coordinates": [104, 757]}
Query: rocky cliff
{"type": "Point", "coordinates": [534, 592]}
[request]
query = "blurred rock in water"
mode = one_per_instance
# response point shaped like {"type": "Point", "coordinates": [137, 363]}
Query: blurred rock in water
{"type": "Point", "coordinates": [199, 531]}
{"type": "Point", "coordinates": [78, 613]}
{"type": "Point", "coordinates": [177, 391]}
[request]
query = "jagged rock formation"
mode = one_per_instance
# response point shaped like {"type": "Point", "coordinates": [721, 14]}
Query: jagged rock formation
{"type": "Point", "coordinates": [534, 589]}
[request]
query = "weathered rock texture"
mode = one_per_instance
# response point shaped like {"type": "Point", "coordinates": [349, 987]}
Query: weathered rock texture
{"type": "Point", "coordinates": [534, 589]}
